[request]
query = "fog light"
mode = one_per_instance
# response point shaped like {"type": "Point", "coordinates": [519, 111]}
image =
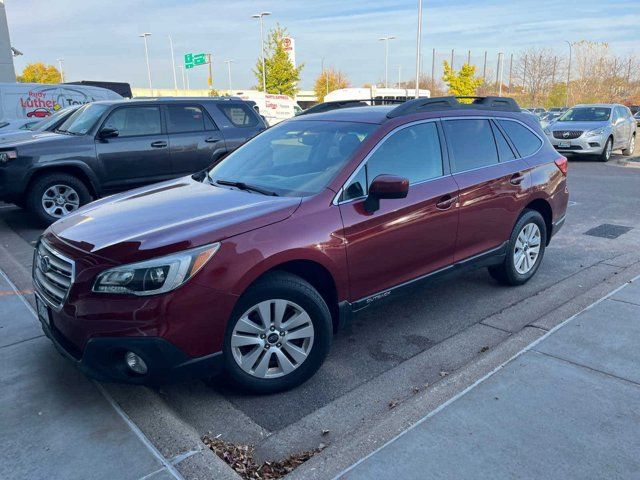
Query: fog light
{"type": "Point", "coordinates": [135, 363]}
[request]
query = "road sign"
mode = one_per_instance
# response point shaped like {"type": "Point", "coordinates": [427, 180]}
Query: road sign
{"type": "Point", "coordinates": [194, 59]}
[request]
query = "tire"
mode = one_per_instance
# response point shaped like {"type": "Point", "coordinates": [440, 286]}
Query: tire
{"type": "Point", "coordinates": [627, 152]}
{"type": "Point", "coordinates": [256, 368]}
{"type": "Point", "coordinates": [606, 151]}
{"type": "Point", "coordinates": [73, 190]}
{"type": "Point", "coordinates": [512, 271]}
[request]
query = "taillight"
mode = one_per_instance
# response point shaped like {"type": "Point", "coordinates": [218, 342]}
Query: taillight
{"type": "Point", "coordinates": [563, 165]}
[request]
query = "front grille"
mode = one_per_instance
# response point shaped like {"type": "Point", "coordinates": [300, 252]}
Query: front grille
{"type": "Point", "coordinates": [52, 274]}
{"type": "Point", "coordinates": [570, 134]}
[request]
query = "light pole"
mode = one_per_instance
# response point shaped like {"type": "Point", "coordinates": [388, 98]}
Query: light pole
{"type": "Point", "coordinates": [386, 58]}
{"type": "Point", "coordinates": [146, 56]}
{"type": "Point", "coordinates": [566, 103]}
{"type": "Point", "coordinates": [418, 38]}
{"type": "Point", "coordinates": [184, 84]}
{"type": "Point", "coordinates": [229, 62]}
{"type": "Point", "coordinates": [500, 72]}
{"type": "Point", "coordinates": [60, 64]}
{"type": "Point", "coordinates": [173, 64]}
{"type": "Point", "coordinates": [399, 75]}
{"type": "Point", "coordinates": [264, 72]}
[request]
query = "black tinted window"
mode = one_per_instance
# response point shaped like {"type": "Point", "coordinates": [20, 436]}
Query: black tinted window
{"type": "Point", "coordinates": [356, 187]}
{"type": "Point", "coordinates": [472, 144]}
{"type": "Point", "coordinates": [187, 118]}
{"type": "Point", "coordinates": [504, 150]}
{"type": "Point", "coordinates": [133, 121]}
{"type": "Point", "coordinates": [413, 153]}
{"type": "Point", "coordinates": [524, 139]}
{"type": "Point", "coordinates": [239, 114]}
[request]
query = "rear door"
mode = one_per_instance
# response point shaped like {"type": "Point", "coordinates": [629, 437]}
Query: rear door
{"type": "Point", "coordinates": [140, 152]}
{"type": "Point", "coordinates": [195, 141]}
{"type": "Point", "coordinates": [493, 184]}
{"type": "Point", "coordinates": [406, 238]}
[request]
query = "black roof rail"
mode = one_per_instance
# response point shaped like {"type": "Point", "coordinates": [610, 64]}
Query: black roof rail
{"type": "Point", "coordinates": [504, 104]}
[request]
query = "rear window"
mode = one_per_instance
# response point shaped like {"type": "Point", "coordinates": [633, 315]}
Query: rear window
{"type": "Point", "coordinates": [239, 114]}
{"type": "Point", "coordinates": [526, 142]}
{"type": "Point", "coordinates": [472, 144]}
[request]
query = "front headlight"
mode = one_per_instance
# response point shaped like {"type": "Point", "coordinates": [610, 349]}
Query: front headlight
{"type": "Point", "coordinates": [595, 133]}
{"type": "Point", "coordinates": [158, 275]}
{"type": "Point", "coordinates": [7, 156]}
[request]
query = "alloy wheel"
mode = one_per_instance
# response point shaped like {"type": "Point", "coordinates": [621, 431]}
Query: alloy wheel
{"type": "Point", "coordinates": [608, 148]}
{"type": "Point", "coordinates": [60, 200]}
{"type": "Point", "coordinates": [527, 248]}
{"type": "Point", "coordinates": [272, 338]}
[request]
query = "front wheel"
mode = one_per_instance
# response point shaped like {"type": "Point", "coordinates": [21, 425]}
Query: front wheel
{"type": "Point", "coordinates": [524, 251]}
{"type": "Point", "coordinates": [55, 195]}
{"type": "Point", "coordinates": [631, 147]}
{"type": "Point", "coordinates": [606, 151]}
{"type": "Point", "coordinates": [278, 336]}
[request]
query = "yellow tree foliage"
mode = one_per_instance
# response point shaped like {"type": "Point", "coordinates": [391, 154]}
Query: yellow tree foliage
{"type": "Point", "coordinates": [40, 73]}
{"type": "Point", "coordinates": [328, 81]}
{"type": "Point", "coordinates": [462, 83]}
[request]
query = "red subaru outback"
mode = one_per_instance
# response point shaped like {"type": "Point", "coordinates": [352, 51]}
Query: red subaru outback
{"type": "Point", "coordinates": [252, 265]}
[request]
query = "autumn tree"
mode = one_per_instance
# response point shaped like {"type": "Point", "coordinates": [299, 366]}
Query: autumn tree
{"type": "Point", "coordinates": [537, 70]}
{"type": "Point", "coordinates": [461, 83]}
{"type": "Point", "coordinates": [40, 73]}
{"type": "Point", "coordinates": [328, 81]}
{"type": "Point", "coordinates": [281, 75]}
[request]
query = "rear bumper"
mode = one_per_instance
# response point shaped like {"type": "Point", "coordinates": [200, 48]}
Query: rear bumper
{"type": "Point", "coordinates": [103, 359]}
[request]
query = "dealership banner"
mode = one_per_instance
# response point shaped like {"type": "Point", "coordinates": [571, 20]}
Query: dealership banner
{"type": "Point", "coordinates": [289, 45]}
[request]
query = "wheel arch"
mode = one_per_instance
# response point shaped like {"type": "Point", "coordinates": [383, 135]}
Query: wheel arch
{"type": "Point", "coordinates": [77, 169]}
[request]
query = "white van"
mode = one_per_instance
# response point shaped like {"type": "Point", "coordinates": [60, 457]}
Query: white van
{"type": "Point", "coordinates": [27, 103]}
{"type": "Point", "coordinates": [274, 108]}
{"type": "Point", "coordinates": [377, 96]}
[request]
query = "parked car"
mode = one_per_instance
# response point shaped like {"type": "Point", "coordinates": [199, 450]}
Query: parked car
{"type": "Point", "coordinates": [637, 118]}
{"type": "Point", "coordinates": [32, 128]}
{"type": "Point", "coordinates": [110, 146]}
{"type": "Point", "coordinates": [548, 118]}
{"type": "Point", "coordinates": [596, 129]}
{"type": "Point", "coordinates": [539, 111]}
{"type": "Point", "coordinates": [327, 106]}
{"type": "Point", "coordinates": [251, 266]}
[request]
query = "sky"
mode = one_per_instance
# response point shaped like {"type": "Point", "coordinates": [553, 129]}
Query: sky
{"type": "Point", "coordinates": [98, 39]}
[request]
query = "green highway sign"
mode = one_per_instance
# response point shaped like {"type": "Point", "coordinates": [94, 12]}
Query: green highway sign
{"type": "Point", "coordinates": [194, 59]}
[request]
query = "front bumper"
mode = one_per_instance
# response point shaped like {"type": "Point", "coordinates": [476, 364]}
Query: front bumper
{"type": "Point", "coordinates": [103, 358]}
{"type": "Point", "coordinates": [581, 145]}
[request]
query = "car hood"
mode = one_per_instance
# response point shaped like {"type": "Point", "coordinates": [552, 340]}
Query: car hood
{"type": "Point", "coordinates": [168, 217]}
{"type": "Point", "coordinates": [33, 139]}
{"type": "Point", "coordinates": [584, 126]}
{"type": "Point", "coordinates": [18, 136]}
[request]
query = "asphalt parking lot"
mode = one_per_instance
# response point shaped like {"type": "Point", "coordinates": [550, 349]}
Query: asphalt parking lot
{"type": "Point", "coordinates": [388, 354]}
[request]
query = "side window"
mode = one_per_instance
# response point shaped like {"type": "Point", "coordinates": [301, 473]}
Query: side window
{"type": "Point", "coordinates": [187, 118]}
{"type": "Point", "coordinates": [472, 144]}
{"type": "Point", "coordinates": [412, 152]}
{"type": "Point", "coordinates": [526, 142]}
{"type": "Point", "coordinates": [134, 121]}
{"type": "Point", "coordinates": [357, 187]}
{"type": "Point", "coordinates": [504, 150]}
{"type": "Point", "coordinates": [239, 114]}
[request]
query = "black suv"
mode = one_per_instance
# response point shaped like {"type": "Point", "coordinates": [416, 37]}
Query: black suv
{"type": "Point", "coordinates": [110, 146]}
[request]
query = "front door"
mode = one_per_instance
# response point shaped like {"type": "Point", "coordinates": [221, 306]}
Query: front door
{"type": "Point", "coordinates": [406, 238]}
{"type": "Point", "coordinates": [195, 141]}
{"type": "Point", "coordinates": [140, 152]}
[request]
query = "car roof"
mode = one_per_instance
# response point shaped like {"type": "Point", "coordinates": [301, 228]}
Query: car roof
{"type": "Point", "coordinates": [375, 114]}
{"type": "Point", "coordinates": [143, 100]}
{"type": "Point", "coordinates": [607, 105]}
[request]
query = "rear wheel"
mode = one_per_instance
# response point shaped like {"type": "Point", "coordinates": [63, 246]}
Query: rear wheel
{"type": "Point", "coordinates": [524, 251]}
{"type": "Point", "coordinates": [631, 148]}
{"type": "Point", "coordinates": [606, 151]}
{"type": "Point", "coordinates": [279, 335]}
{"type": "Point", "coordinates": [55, 195]}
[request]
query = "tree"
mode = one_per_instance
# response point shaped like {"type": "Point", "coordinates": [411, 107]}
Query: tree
{"type": "Point", "coordinates": [282, 76]}
{"type": "Point", "coordinates": [40, 73]}
{"type": "Point", "coordinates": [462, 83]}
{"type": "Point", "coordinates": [328, 81]}
{"type": "Point", "coordinates": [537, 70]}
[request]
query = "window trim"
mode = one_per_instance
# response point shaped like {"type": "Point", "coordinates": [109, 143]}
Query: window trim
{"type": "Point", "coordinates": [166, 106]}
{"type": "Point", "coordinates": [163, 129]}
{"type": "Point", "coordinates": [363, 162]}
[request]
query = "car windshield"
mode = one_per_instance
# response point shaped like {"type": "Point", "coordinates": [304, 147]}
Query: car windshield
{"type": "Point", "coordinates": [586, 114]}
{"type": "Point", "coordinates": [47, 123]}
{"type": "Point", "coordinates": [83, 119]}
{"type": "Point", "coordinates": [295, 158]}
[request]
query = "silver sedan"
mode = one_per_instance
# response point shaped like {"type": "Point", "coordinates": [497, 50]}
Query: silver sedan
{"type": "Point", "coordinates": [594, 130]}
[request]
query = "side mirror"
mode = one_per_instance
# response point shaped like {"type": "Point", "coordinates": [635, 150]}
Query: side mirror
{"type": "Point", "coordinates": [108, 133]}
{"type": "Point", "coordinates": [385, 186]}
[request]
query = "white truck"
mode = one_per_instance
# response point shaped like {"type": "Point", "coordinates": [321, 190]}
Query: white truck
{"type": "Point", "coordinates": [24, 104]}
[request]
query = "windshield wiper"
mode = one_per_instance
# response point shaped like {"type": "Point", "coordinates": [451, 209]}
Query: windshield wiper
{"type": "Point", "coordinates": [246, 186]}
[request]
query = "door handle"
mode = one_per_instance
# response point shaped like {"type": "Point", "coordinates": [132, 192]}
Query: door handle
{"type": "Point", "coordinates": [446, 202]}
{"type": "Point", "coordinates": [212, 140]}
{"type": "Point", "coordinates": [159, 144]}
{"type": "Point", "coordinates": [516, 179]}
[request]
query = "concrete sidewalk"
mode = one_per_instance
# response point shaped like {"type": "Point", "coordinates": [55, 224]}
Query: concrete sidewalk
{"type": "Point", "coordinates": [568, 407]}
{"type": "Point", "coordinates": [54, 422]}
